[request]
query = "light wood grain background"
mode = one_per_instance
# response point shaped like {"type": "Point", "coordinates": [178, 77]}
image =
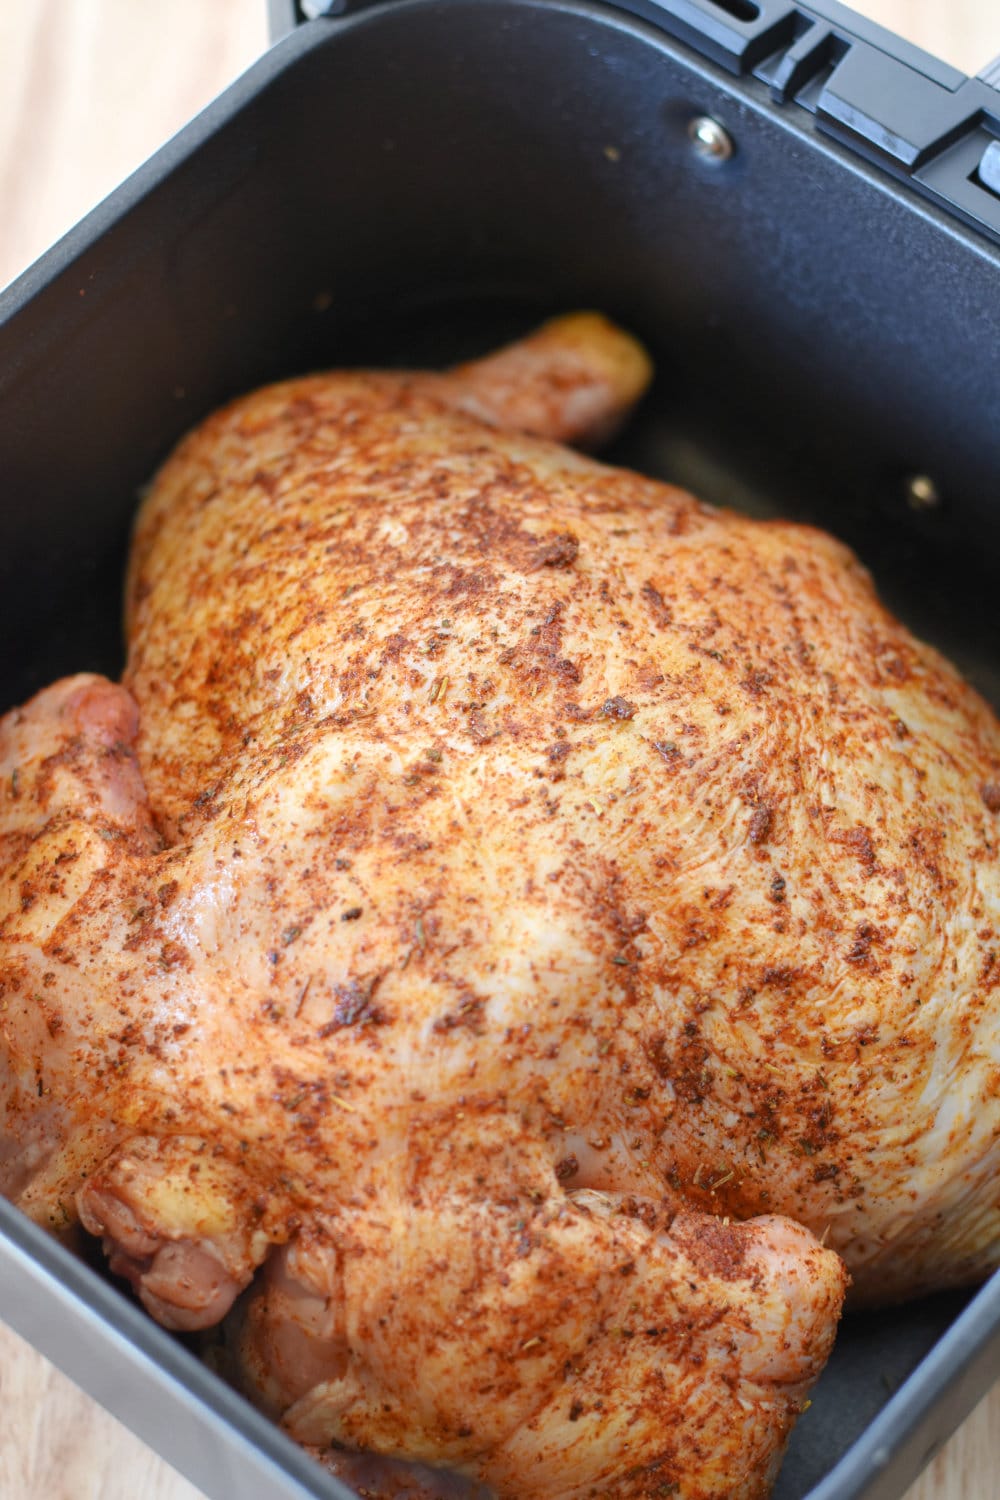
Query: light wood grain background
{"type": "Point", "coordinates": [88, 89]}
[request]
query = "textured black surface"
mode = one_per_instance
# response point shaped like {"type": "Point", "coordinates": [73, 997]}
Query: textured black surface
{"type": "Point", "coordinates": [415, 183]}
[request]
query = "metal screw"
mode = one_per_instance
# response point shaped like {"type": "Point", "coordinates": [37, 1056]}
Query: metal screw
{"type": "Point", "coordinates": [922, 493]}
{"type": "Point", "coordinates": [710, 140]}
{"type": "Point", "coordinates": [989, 167]}
{"type": "Point", "coordinates": [315, 10]}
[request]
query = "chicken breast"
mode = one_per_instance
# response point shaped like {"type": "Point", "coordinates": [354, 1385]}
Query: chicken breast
{"type": "Point", "coordinates": [504, 894]}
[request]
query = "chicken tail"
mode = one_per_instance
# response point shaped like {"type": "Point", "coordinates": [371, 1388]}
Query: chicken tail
{"type": "Point", "coordinates": [574, 380]}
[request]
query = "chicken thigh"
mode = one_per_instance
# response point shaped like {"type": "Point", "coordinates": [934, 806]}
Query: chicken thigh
{"type": "Point", "coordinates": [502, 889]}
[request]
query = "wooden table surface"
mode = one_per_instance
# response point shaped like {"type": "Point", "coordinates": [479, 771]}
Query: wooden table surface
{"type": "Point", "coordinates": [88, 89]}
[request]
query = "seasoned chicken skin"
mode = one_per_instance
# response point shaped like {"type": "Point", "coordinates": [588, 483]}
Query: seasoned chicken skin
{"type": "Point", "coordinates": [503, 887]}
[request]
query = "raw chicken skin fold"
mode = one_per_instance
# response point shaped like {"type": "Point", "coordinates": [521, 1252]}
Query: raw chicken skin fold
{"type": "Point", "coordinates": [516, 934]}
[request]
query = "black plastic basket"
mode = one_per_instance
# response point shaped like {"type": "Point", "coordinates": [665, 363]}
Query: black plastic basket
{"type": "Point", "coordinates": [798, 212]}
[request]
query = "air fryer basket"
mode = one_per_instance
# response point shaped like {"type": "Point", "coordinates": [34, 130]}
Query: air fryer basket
{"type": "Point", "coordinates": [408, 184]}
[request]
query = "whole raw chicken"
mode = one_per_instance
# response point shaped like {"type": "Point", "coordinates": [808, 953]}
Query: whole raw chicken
{"type": "Point", "coordinates": [502, 886]}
